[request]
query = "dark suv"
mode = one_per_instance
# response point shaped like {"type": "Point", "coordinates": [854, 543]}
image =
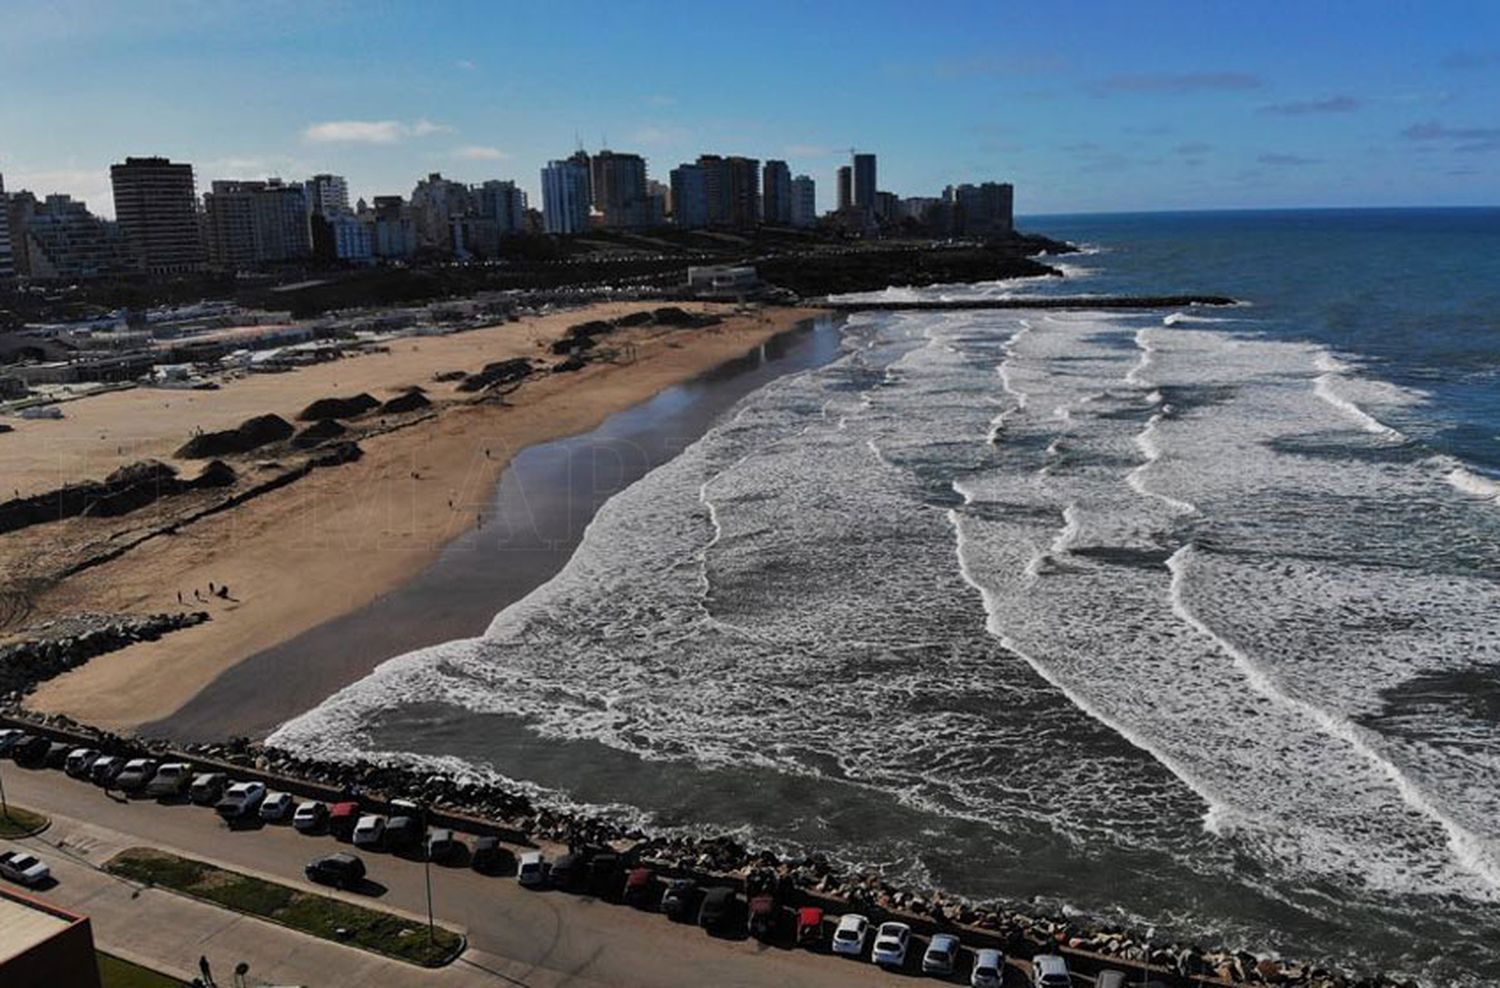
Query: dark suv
{"type": "Point", "coordinates": [342, 870]}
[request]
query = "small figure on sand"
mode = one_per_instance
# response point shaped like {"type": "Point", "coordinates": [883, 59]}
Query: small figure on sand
{"type": "Point", "coordinates": [179, 596]}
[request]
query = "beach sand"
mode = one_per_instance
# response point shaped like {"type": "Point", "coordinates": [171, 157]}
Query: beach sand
{"type": "Point", "coordinates": [333, 541]}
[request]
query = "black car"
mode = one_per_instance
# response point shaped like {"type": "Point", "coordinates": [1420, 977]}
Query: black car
{"type": "Point", "coordinates": [31, 752]}
{"type": "Point", "coordinates": [57, 754]}
{"type": "Point", "coordinates": [605, 874]}
{"type": "Point", "coordinates": [679, 900]}
{"type": "Point", "coordinates": [403, 833]}
{"type": "Point", "coordinates": [718, 910]}
{"type": "Point", "coordinates": [342, 870]}
{"type": "Point", "coordinates": [568, 872]}
{"type": "Point", "coordinates": [490, 857]}
{"type": "Point", "coordinates": [444, 847]}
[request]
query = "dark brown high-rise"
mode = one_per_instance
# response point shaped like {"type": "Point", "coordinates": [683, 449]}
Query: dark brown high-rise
{"type": "Point", "coordinates": [156, 205]}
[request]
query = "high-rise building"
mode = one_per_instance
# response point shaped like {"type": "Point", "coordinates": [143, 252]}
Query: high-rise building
{"type": "Point", "coordinates": [657, 194]}
{"type": "Point", "coordinates": [340, 236]}
{"type": "Point", "coordinates": [581, 157]}
{"type": "Point", "coordinates": [732, 186]}
{"type": "Point", "coordinates": [864, 181]}
{"type": "Point", "coordinates": [619, 182]}
{"type": "Point", "coordinates": [435, 203]}
{"type": "Point", "coordinates": [253, 223]}
{"type": "Point", "coordinates": [689, 197]}
{"type": "Point", "coordinates": [7, 257]}
{"type": "Point", "coordinates": [846, 187]}
{"type": "Point", "coordinates": [392, 233]}
{"type": "Point", "coordinates": [156, 205]}
{"type": "Point", "coordinates": [327, 194]}
{"type": "Point", "coordinates": [776, 194]}
{"type": "Point", "coordinates": [565, 197]}
{"type": "Point", "coordinates": [58, 239]}
{"type": "Point", "coordinates": [887, 207]}
{"type": "Point", "coordinates": [984, 210]}
{"type": "Point", "coordinates": [804, 203]}
{"type": "Point", "coordinates": [502, 202]}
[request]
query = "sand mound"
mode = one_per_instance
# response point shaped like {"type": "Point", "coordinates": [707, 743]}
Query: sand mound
{"type": "Point", "coordinates": [409, 402]}
{"type": "Point", "coordinates": [496, 374]}
{"type": "Point", "coordinates": [337, 408]}
{"type": "Point", "coordinates": [671, 315]}
{"type": "Point", "coordinates": [318, 432]}
{"type": "Point", "coordinates": [251, 434]}
{"type": "Point", "coordinates": [216, 473]}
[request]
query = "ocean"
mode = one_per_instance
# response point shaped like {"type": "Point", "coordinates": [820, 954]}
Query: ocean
{"type": "Point", "coordinates": [1180, 619]}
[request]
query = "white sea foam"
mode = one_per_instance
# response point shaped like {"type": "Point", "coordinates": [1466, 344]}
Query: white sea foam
{"type": "Point", "coordinates": [1324, 387]}
{"type": "Point", "coordinates": [1469, 482]}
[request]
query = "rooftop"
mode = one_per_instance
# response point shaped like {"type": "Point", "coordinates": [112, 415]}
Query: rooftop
{"type": "Point", "coordinates": [27, 922]}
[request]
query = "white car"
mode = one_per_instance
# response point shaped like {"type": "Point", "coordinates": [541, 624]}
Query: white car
{"type": "Point", "coordinates": [80, 760]}
{"type": "Point", "coordinates": [1050, 971]}
{"type": "Point", "coordinates": [277, 806]}
{"type": "Point", "coordinates": [26, 869]}
{"type": "Point", "coordinates": [891, 941]}
{"type": "Point", "coordinates": [241, 801]}
{"type": "Point", "coordinates": [310, 815]}
{"type": "Point", "coordinates": [369, 830]}
{"type": "Point", "coordinates": [849, 938]}
{"type": "Point", "coordinates": [531, 868]}
{"type": "Point", "coordinates": [989, 969]}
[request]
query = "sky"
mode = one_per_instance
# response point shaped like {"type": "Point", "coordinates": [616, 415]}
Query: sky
{"type": "Point", "coordinates": [1115, 105]}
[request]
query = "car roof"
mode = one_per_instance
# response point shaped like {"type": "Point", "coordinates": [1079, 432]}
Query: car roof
{"type": "Point", "coordinates": [531, 857]}
{"type": "Point", "coordinates": [1051, 962]}
{"type": "Point", "coordinates": [371, 818]}
{"type": "Point", "coordinates": [989, 956]}
{"type": "Point", "coordinates": [809, 913]}
{"type": "Point", "coordinates": [943, 941]}
{"type": "Point", "coordinates": [853, 919]}
{"type": "Point", "coordinates": [718, 894]}
{"type": "Point", "coordinates": [894, 927]}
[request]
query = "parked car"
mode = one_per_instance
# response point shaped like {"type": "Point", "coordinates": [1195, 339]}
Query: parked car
{"type": "Point", "coordinates": [941, 956]}
{"type": "Point", "coordinates": [490, 857]}
{"type": "Point", "coordinates": [207, 787]}
{"type": "Point", "coordinates": [1110, 979]}
{"type": "Point", "coordinates": [172, 779]}
{"type": "Point", "coordinates": [849, 936]}
{"type": "Point", "coordinates": [531, 869]}
{"type": "Point", "coordinates": [310, 815]}
{"type": "Point", "coordinates": [891, 943]}
{"type": "Point", "coordinates": [241, 801]}
{"type": "Point", "coordinates": [57, 755]}
{"type": "Point", "coordinates": [341, 819]}
{"type": "Point", "coordinates": [989, 969]}
{"type": "Point", "coordinates": [1050, 971]}
{"type": "Point", "coordinates": [136, 774]}
{"type": "Point", "coordinates": [30, 751]}
{"type": "Point", "coordinates": [9, 736]}
{"type": "Point", "coordinates": [24, 869]}
{"type": "Point", "coordinates": [342, 870]}
{"type": "Point", "coordinates": [717, 911]}
{"type": "Point", "coordinates": [639, 885]}
{"type": "Point", "coordinates": [679, 899]}
{"type": "Point", "coordinates": [276, 807]}
{"type": "Point", "coordinates": [761, 913]}
{"type": "Point", "coordinates": [403, 833]}
{"type": "Point", "coordinates": [80, 760]}
{"type": "Point", "coordinates": [604, 874]}
{"type": "Point", "coordinates": [567, 872]}
{"type": "Point", "coordinates": [810, 927]}
{"type": "Point", "coordinates": [444, 847]}
{"type": "Point", "coordinates": [370, 830]}
{"type": "Point", "coordinates": [105, 768]}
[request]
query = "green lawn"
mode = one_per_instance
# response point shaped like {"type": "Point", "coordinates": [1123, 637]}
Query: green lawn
{"type": "Point", "coordinates": [320, 915]}
{"type": "Point", "coordinates": [21, 823]}
{"type": "Point", "coordinates": [115, 973]}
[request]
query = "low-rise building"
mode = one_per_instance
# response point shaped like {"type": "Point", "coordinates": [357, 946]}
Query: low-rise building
{"type": "Point", "coordinates": [41, 944]}
{"type": "Point", "coordinates": [723, 280]}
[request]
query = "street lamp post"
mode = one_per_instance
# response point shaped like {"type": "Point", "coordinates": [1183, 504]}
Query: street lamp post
{"type": "Point", "coordinates": [427, 875]}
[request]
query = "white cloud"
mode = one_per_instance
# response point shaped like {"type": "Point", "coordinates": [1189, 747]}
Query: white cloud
{"type": "Point", "coordinates": [476, 153]}
{"type": "Point", "coordinates": [466, 65]}
{"type": "Point", "coordinates": [369, 131]}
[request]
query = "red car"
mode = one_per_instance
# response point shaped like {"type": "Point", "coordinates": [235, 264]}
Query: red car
{"type": "Point", "coordinates": [639, 885]}
{"type": "Point", "coordinates": [341, 819]}
{"type": "Point", "coordinates": [809, 927]}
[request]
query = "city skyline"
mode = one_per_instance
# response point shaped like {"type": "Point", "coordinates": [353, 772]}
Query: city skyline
{"type": "Point", "coordinates": [1162, 107]}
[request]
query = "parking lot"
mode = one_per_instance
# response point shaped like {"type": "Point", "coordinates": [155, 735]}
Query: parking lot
{"type": "Point", "coordinates": [528, 936]}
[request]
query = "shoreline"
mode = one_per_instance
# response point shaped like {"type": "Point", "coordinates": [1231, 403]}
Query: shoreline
{"type": "Point", "coordinates": [544, 498]}
{"type": "Point", "coordinates": [346, 535]}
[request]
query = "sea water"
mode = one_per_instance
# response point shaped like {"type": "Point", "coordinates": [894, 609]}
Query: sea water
{"type": "Point", "coordinates": [1183, 618]}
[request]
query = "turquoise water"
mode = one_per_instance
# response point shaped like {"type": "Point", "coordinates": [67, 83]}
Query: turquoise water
{"type": "Point", "coordinates": [1187, 619]}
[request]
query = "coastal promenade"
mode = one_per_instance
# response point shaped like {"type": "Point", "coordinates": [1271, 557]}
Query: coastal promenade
{"type": "Point", "coordinates": [516, 937]}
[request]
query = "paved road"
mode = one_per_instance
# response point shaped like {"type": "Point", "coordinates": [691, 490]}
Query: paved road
{"type": "Point", "coordinates": [516, 937]}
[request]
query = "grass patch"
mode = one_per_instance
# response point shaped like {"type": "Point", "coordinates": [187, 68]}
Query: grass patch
{"type": "Point", "coordinates": [115, 973]}
{"type": "Point", "coordinates": [21, 823]}
{"type": "Point", "coordinates": [309, 912]}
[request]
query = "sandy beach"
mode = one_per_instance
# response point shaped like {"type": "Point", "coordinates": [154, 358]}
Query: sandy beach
{"type": "Point", "coordinates": [332, 541]}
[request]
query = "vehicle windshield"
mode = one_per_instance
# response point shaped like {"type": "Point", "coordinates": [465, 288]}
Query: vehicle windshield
{"type": "Point", "coordinates": [844, 935]}
{"type": "Point", "coordinates": [986, 972]}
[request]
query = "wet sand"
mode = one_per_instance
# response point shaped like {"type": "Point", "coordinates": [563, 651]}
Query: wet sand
{"type": "Point", "coordinates": [545, 499]}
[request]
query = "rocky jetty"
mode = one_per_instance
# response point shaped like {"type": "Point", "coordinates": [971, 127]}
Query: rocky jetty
{"type": "Point", "coordinates": [873, 268]}
{"type": "Point", "coordinates": [496, 375]}
{"type": "Point", "coordinates": [53, 648]}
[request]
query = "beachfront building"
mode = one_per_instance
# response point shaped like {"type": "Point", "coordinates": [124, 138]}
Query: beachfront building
{"type": "Point", "coordinates": [565, 197]}
{"type": "Point", "coordinates": [887, 207]}
{"type": "Point", "coordinates": [156, 205]}
{"type": "Point", "coordinates": [435, 203]}
{"type": "Point", "coordinates": [804, 202]}
{"type": "Point", "coordinates": [250, 223]}
{"type": "Point", "coordinates": [7, 258]}
{"type": "Point", "coordinates": [733, 190]}
{"type": "Point", "coordinates": [984, 210]}
{"type": "Point", "coordinates": [619, 184]}
{"type": "Point", "coordinates": [846, 188]}
{"type": "Point", "coordinates": [58, 239]}
{"type": "Point", "coordinates": [776, 194]}
{"type": "Point", "coordinates": [864, 189]}
{"type": "Point", "coordinates": [393, 236]}
{"type": "Point", "coordinates": [327, 194]}
{"type": "Point", "coordinates": [342, 237]}
{"type": "Point", "coordinates": [689, 197]}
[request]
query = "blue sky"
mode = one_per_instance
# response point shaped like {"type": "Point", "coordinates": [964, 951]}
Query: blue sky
{"type": "Point", "coordinates": [1084, 106]}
